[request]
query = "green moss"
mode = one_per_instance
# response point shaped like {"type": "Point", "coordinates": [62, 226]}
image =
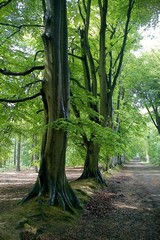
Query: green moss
{"type": "Point", "coordinates": [37, 217]}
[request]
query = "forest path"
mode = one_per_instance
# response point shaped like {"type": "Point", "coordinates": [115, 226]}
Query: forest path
{"type": "Point", "coordinates": [15, 185]}
{"type": "Point", "coordinates": [128, 210]}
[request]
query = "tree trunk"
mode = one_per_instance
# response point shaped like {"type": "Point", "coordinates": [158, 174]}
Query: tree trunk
{"type": "Point", "coordinates": [55, 95]}
{"type": "Point", "coordinates": [35, 154]}
{"type": "Point", "coordinates": [91, 169]}
{"type": "Point", "coordinates": [103, 6]}
{"type": "Point", "coordinates": [15, 151]}
{"type": "Point", "coordinates": [157, 117]}
{"type": "Point", "coordinates": [18, 154]}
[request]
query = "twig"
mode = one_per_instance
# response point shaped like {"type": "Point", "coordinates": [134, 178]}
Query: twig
{"type": "Point", "coordinates": [20, 100]}
{"type": "Point", "coordinates": [4, 3]}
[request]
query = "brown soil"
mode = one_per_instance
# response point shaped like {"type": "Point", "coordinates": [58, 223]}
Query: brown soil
{"type": "Point", "coordinates": [128, 209]}
{"type": "Point", "coordinates": [14, 185]}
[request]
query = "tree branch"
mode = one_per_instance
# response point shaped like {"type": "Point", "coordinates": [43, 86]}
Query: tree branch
{"type": "Point", "coordinates": [4, 3]}
{"type": "Point", "coordinates": [9, 73]}
{"type": "Point", "coordinates": [20, 100]}
{"type": "Point", "coordinates": [121, 53]}
{"type": "Point", "coordinates": [32, 83]}
{"type": "Point", "coordinates": [150, 114]}
{"type": "Point", "coordinates": [18, 28]}
{"type": "Point", "coordinates": [80, 12]}
{"type": "Point", "coordinates": [73, 55]}
{"type": "Point", "coordinates": [22, 25]}
{"type": "Point", "coordinates": [75, 80]}
{"type": "Point", "coordinates": [11, 35]}
{"type": "Point", "coordinates": [84, 6]}
{"type": "Point", "coordinates": [40, 51]}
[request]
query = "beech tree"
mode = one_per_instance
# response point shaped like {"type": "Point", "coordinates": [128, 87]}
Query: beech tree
{"type": "Point", "coordinates": [107, 31]}
{"type": "Point", "coordinates": [102, 51]}
{"type": "Point", "coordinates": [91, 169]}
{"type": "Point", "coordinates": [55, 96]}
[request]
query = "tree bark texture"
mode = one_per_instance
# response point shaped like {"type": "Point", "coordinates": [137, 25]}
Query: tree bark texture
{"type": "Point", "coordinates": [108, 79]}
{"type": "Point", "coordinates": [103, 6]}
{"type": "Point", "coordinates": [91, 169]}
{"type": "Point", "coordinates": [55, 95]}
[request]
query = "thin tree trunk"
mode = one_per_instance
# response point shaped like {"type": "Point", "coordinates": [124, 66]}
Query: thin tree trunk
{"type": "Point", "coordinates": [18, 154]}
{"type": "Point", "coordinates": [35, 155]}
{"type": "Point", "coordinates": [103, 6]}
{"type": "Point", "coordinates": [15, 151]}
{"type": "Point", "coordinates": [91, 169]}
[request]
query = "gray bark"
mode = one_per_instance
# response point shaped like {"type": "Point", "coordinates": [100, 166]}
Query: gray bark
{"type": "Point", "coordinates": [55, 95]}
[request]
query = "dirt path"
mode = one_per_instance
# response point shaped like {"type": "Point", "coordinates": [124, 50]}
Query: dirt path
{"type": "Point", "coordinates": [14, 185]}
{"type": "Point", "coordinates": [129, 209]}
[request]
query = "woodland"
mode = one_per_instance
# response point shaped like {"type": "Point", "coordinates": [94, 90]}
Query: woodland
{"type": "Point", "coordinates": [74, 91]}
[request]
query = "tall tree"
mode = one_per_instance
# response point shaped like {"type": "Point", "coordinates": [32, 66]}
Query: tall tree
{"type": "Point", "coordinates": [55, 96]}
{"type": "Point", "coordinates": [101, 71]}
{"type": "Point", "coordinates": [18, 162]}
{"type": "Point", "coordinates": [91, 169]}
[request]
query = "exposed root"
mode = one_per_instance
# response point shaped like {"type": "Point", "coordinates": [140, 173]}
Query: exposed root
{"type": "Point", "coordinates": [94, 175]}
{"type": "Point", "coordinates": [64, 197]}
{"type": "Point", "coordinates": [60, 195]}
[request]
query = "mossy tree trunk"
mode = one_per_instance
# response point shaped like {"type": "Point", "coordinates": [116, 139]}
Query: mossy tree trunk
{"type": "Point", "coordinates": [55, 95]}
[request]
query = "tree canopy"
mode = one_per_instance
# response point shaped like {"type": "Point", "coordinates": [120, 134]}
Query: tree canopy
{"type": "Point", "coordinates": [68, 72]}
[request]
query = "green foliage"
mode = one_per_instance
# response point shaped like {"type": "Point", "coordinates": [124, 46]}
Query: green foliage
{"type": "Point", "coordinates": [75, 152]}
{"type": "Point", "coordinates": [154, 146]}
{"type": "Point", "coordinates": [146, 86]}
{"type": "Point", "coordinates": [22, 48]}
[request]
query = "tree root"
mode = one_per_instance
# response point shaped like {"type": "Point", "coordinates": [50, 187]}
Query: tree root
{"type": "Point", "coordinates": [64, 197]}
{"type": "Point", "coordinates": [94, 175]}
{"type": "Point", "coordinates": [60, 195]}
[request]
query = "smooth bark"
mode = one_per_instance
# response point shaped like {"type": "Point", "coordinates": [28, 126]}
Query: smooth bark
{"type": "Point", "coordinates": [91, 169]}
{"type": "Point", "coordinates": [55, 95]}
{"type": "Point", "coordinates": [103, 6]}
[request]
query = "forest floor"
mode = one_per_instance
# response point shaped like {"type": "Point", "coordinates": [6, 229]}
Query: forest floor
{"type": "Point", "coordinates": [127, 209]}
